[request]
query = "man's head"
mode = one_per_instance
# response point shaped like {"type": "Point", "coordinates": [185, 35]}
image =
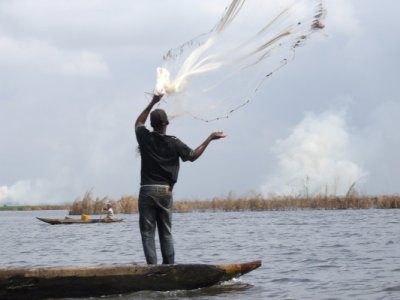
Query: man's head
{"type": "Point", "coordinates": [158, 118]}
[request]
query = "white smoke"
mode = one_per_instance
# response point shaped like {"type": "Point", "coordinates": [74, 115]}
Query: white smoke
{"type": "Point", "coordinates": [26, 191]}
{"type": "Point", "coordinates": [316, 158]}
{"type": "Point", "coordinates": [95, 159]}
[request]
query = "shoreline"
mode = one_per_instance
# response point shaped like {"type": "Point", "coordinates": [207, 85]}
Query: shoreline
{"type": "Point", "coordinates": [129, 204]}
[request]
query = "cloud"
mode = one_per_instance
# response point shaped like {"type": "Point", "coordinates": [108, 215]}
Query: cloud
{"type": "Point", "coordinates": [27, 191]}
{"type": "Point", "coordinates": [40, 56]}
{"type": "Point", "coordinates": [379, 146]}
{"type": "Point", "coordinates": [342, 17]}
{"type": "Point", "coordinates": [316, 158]}
{"type": "Point", "coordinates": [100, 156]}
{"type": "Point", "coordinates": [62, 135]}
{"type": "Point", "coordinates": [73, 23]}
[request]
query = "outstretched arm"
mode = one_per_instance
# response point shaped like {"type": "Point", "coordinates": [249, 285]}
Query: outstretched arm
{"type": "Point", "coordinates": [141, 120]}
{"type": "Point", "coordinates": [200, 149]}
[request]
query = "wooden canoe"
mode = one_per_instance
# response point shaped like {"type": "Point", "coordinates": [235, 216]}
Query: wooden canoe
{"type": "Point", "coordinates": [78, 221]}
{"type": "Point", "coordinates": [92, 281]}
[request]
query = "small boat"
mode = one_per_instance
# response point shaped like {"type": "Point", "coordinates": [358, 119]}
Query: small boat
{"type": "Point", "coordinates": [78, 221]}
{"type": "Point", "coordinates": [102, 280]}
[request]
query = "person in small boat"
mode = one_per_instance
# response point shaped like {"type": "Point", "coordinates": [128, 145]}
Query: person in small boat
{"type": "Point", "coordinates": [160, 154]}
{"type": "Point", "coordinates": [110, 212]}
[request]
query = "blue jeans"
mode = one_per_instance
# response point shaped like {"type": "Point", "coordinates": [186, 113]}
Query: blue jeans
{"type": "Point", "coordinates": [155, 209]}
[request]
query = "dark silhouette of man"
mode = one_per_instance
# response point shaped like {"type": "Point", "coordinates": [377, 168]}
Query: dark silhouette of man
{"type": "Point", "coordinates": [160, 154]}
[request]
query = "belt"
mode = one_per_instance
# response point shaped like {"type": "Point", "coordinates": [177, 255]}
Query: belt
{"type": "Point", "coordinates": [165, 187]}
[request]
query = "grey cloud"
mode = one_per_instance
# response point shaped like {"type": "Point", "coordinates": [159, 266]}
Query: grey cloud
{"type": "Point", "coordinates": [62, 135]}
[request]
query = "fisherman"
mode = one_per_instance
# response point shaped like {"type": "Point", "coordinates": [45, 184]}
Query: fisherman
{"type": "Point", "coordinates": [110, 212]}
{"type": "Point", "coordinates": [160, 155]}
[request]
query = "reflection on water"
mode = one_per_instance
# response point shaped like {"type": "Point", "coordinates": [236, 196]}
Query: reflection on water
{"type": "Point", "coordinates": [344, 254]}
{"type": "Point", "coordinates": [224, 290]}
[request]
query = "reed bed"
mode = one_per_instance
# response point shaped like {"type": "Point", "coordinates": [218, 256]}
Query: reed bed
{"type": "Point", "coordinates": [33, 207]}
{"type": "Point", "coordinates": [94, 206]}
{"type": "Point", "coordinates": [129, 204]}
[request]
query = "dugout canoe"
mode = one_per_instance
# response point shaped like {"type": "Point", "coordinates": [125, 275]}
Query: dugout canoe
{"type": "Point", "coordinates": [101, 280]}
{"type": "Point", "coordinates": [78, 221]}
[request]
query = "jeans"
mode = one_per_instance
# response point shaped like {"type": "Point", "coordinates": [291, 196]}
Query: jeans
{"type": "Point", "coordinates": [155, 209]}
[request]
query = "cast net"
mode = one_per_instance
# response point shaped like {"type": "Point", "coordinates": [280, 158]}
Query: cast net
{"type": "Point", "coordinates": [215, 74]}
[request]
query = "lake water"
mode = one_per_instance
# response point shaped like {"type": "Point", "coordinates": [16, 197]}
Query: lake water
{"type": "Point", "coordinates": [335, 254]}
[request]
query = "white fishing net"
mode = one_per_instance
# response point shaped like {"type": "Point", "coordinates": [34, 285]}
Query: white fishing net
{"type": "Point", "coordinates": [220, 71]}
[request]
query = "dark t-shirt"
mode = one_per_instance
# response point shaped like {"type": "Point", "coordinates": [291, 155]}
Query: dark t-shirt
{"type": "Point", "coordinates": [160, 156]}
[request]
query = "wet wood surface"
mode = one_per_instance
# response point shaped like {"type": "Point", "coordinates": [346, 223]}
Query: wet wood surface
{"type": "Point", "coordinates": [91, 281]}
{"type": "Point", "coordinates": [67, 221]}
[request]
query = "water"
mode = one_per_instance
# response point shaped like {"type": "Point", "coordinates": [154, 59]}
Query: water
{"type": "Point", "coordinates": [342, 254]}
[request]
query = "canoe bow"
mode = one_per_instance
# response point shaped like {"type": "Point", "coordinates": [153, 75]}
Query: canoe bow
{"type": "Point", "coordinates": [90, 281]}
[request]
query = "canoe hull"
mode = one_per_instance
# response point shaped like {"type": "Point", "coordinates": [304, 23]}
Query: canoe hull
{"type": "Point", "coordinates": [77, 221]}
{"type": "Point", "coordinates": [102, 280]}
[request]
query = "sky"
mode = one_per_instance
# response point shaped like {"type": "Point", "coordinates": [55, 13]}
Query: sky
{"type": "Point", "coordinates": [74, 75]}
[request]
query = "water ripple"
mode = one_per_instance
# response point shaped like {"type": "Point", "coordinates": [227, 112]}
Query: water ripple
{"type": "Point", "coordinates": [342, 254]}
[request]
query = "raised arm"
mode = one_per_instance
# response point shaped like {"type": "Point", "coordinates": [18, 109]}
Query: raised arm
{"type": "Point", "coordinates": [200, 149]}
{"type": "Point", "coordinates": [141, 120]}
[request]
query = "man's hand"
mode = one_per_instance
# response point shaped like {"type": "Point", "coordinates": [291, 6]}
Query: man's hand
{"type": "Point", "coordinates": [143, 116]}
{"type": "Point", "coordinates": [156, 98]}
{"type": "Point", "coordinates": [200, 149]}
{"type": "Point", "coordinates": [217, 135]}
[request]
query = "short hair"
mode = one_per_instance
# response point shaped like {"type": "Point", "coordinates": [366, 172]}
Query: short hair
{"type": "Point", "coordinates": [158, 117]}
